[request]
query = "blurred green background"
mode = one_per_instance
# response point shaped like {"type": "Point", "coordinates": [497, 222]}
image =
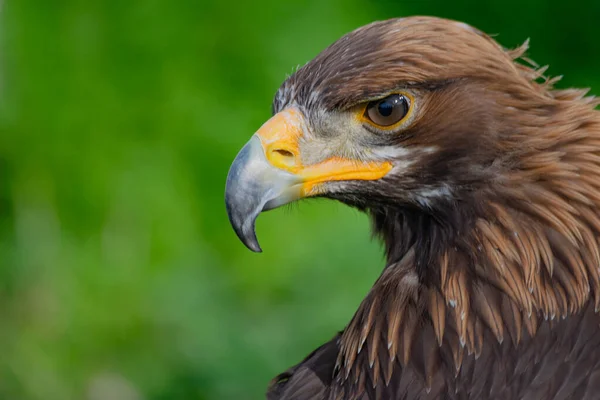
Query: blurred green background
{"type": "Point", "coordinates": [120, 277]}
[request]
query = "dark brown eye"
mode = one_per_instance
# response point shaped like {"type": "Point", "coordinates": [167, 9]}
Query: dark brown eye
{"type": "Point", "coordinates": [388, 111]}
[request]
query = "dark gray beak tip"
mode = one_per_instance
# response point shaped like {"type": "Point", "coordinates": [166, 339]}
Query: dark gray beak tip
{"type": "Point", "coordinates": [244, 228]}
{"type": "Point", "coordinates": [251, 242]}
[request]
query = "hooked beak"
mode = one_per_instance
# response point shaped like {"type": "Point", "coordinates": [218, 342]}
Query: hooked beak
{"type": "Point", "coordinates": [254, 185]}
{"type": "Point", "coordinates": [268, 172]}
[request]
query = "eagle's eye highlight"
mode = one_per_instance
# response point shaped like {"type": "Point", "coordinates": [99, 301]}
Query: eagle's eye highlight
{"type": "Point", "coordinates": [389, 111]}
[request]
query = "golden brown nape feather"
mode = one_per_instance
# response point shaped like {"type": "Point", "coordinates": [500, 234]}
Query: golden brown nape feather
{"type": "Point", "coordinates": [494, 292]}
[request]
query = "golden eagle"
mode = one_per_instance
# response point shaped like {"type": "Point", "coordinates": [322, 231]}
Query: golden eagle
{"type": "Point", "coordinates": [482, 181]}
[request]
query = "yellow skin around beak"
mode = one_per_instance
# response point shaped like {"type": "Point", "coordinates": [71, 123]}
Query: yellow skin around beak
{"type": "Point", "coordinates": [280, 137]}
{"type": "Point", "coordinates": [269, 172]}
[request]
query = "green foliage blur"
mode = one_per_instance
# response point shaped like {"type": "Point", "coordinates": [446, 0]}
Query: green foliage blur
{"type": "Point", "coordinates": [120, 277]}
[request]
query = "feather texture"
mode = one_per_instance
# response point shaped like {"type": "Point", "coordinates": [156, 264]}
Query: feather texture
{"type": "Point", "coordinates": [491, 287]}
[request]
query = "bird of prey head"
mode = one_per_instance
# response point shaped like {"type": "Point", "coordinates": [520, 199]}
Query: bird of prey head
{"type": "Point", "coordinates": [481, 179]}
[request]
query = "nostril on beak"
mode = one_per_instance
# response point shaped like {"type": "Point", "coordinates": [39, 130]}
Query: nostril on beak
{"type": "Point", "coordinates": [283, 158]}
{"type": "Point", "coordinates": [284, 153]}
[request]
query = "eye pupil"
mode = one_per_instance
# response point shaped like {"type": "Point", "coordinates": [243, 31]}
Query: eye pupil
{"type": "Point", "coordinates": [385, 108]}
{"type": "Point", "coordinates": [388, 111]}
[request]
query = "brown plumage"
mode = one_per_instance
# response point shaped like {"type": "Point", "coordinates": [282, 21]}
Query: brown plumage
{"type": "Point", "coordinates": [491, 288]}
